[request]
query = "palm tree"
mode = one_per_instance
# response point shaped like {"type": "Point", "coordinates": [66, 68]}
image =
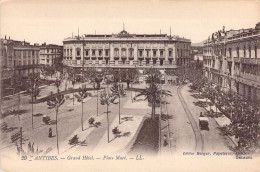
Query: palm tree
{"type": "Point", "coordinates": [82, 94]}
{"type": "Point", "coordinates": [118, 91]}
{"type": "Point", "coordinates": [152, 94]}
{"type": "Point", "coordinates": [106, 99]}
{"type": "Point", "coordinates": [55, 102]}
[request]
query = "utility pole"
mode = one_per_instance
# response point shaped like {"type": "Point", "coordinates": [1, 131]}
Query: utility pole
{"type": "Point", "coordinates": [160, 142]}
{"type": "Point", "coordinates": [21, 140]}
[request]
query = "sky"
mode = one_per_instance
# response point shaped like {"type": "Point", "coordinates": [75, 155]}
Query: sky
{"type": "Point", "coordinates": [51, 21]}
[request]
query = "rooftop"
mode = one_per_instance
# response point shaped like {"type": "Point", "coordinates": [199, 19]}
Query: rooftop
{"type": "Point", "coordinates": [124, 35]}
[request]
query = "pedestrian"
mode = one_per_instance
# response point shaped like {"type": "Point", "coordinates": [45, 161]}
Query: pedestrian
{"type": "Point", "coordinates": [165, 143]}
{"type": "Point", "coordinates": [29, 148]}
{"type": "Point", "coordinates": [32, 149]}
{"type": "Point", "coordinates": [50, 133]}
{"type": "Point", "coordinates": [37, 151]}
{"type": "Point", "coordinates": [18, 150]}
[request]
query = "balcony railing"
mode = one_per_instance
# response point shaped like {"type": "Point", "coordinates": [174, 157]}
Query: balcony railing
{"type": "Point", "coordinates": [248, 76]}
{"type": "Point", "coordinates": [250, 60]}
{"type": "Point", "coordinates": [229, 59]}
{"type": "Point", "coordinates": [236, 59]}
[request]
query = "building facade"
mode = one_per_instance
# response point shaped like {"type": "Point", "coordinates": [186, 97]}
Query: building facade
{"type": "Point", "coordinates": [231, 59]}
{"type": "Point", "coordinates": [124, 50]}
{"type": "Point", "coordinates": [18, 58]}
{"type": "Point", "coordinates": [49, 53]}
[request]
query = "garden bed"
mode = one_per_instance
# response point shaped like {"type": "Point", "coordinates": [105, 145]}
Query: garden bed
{"type": "Point", "coordinates": [147, 141]}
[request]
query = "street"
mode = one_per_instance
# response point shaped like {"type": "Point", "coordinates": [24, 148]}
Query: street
{"type": "Point", "coordinates": [181, 131]}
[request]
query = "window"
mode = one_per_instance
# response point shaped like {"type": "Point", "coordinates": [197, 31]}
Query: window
{"type": "Point", "coordinates": [140, 53]}
{"type": "Point", "coordinates": [106, 52]}
{"type": "Point", "coordinates": [33, 53]}
{"type": "Point", "coordinates": [124, 52]}
{"type": "Point", "coordinates": [154, 53]}
{"type": "Point", "coordinates": [255, 51]}
{"type": "Point", "coordinates": [161, 53]}
{"type": "Point", "coordinates": [131, 52]}
{"type": "Point", "coordinates": [170, 53]}
{"type": "Point", "coordinates": [249, 49]}
{"type": "Point", "coordinates": [100, 52]}
{"type": "Point", "coordinates": [116, 52]}
{"type": "Point", "coordinates": [78, 52]}
{"type": "Point", "coordinates": [147, 61]}
{"type": "Point", "coordinates": [237, 51]}
{"type": "Point", "coordinates": [87, 52]}
{"type": "Point", "coordinates": [161, 62]}
{"type": "Point", "coordinates": [93, 52]}
{"type": "Point", "coordinates": [229, 52]}
{"type": "Point", "coordinates": [244, 51]}
{"type": "Point", "coordinates": [147, 53]}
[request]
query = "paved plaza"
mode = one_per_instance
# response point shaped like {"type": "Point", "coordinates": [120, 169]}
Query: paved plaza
{"type": "Point", "coordinates": [178, 130]}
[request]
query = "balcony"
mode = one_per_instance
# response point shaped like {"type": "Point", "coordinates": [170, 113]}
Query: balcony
{"type": "Point", "coordinates": [220, 58]}
{"type": "Point", "coordinates": [100, 57]}
{"type": "Point", "coordinates": [131, 58]}
{"type": "Point", "coordinates": [236, 59]}
{"type": "Point", "coordinates": [170, 57]}
{"type": "Point", "coordinates": [148, 57]}
{"type": "Point", "coordinates": [229, 59]}
{"type": "Point", "coordinates": [216, 71]}
{"type": "Point", "coordinates": [141, 57]}
{"type": "Point", "coordinates": [162, 57]}
{"type": "Point", "coordinates": [250, 60]}
{"type": "Point", "coordinates": [249, 77]}
{"type": "Point", "coordinates": [116, 57]}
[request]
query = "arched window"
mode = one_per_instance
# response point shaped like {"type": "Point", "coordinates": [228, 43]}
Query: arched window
{"type": "Point", "coordinates": [116, 52]}
{"type": "Point", "coordinates": [78, 51]}
{"type": "Point", "coordinates": [123, 52]}
{"type": "Point", "coordinates": [131, 52]}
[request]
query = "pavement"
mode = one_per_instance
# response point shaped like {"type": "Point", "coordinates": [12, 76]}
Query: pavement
{"type": "Point", "coordinates": [69, 117]}
{"type": "Point", "coordinates": [179, 132]}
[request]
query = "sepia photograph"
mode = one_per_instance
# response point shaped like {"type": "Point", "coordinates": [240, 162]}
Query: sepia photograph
{"type": "Point", "coordinates": [114, 85]}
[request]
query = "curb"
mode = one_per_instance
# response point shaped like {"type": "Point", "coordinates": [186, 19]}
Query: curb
{"type": "Point", "coordinates": [130, 144]}
{"type": "Point", "coordinates": [221, 126]}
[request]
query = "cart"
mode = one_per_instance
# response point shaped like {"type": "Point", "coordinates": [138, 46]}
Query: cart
{"type": "Point", "coordinates": [203, 123]}
{"type": "Point", "coordinates": [46, 119]}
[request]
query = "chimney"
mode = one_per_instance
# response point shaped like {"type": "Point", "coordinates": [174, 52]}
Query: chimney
{"type": "Point", "coordinates": [9, 37]}
{"type": "Point", "coordinates": [5, 37]}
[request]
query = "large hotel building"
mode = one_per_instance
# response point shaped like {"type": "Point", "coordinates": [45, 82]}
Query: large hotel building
{"type": "Point", "coordinates": [124, 50]}
{"type": "Point", "coordinates": [231, 59]}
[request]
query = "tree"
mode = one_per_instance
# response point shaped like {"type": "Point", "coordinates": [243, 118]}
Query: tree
{"type": "Point", "coordinates": [130, 76]}
{"type": "Point", "coordinates": [54, 102]}
{"type": "Point", "coordinates": [152, 94]}
{"type": "Point", "coordinates": [47, 71]}
{"type": "Point", "coordinates": [82, 94]}
{"type": "Point", "coordinates": [106, 99]}
{"type": "Point", "coordinates": [118, 91]}
{"type": "Point", "coordinates": [32, 87]}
